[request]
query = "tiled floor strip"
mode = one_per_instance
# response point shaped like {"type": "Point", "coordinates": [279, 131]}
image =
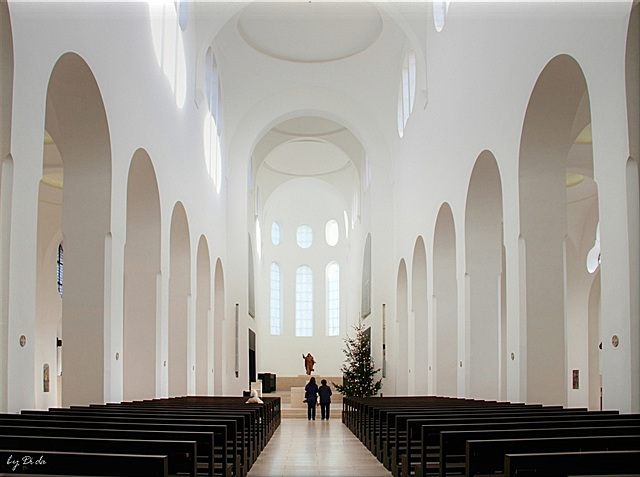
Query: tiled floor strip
{"type": "Point", "coordinates": [316, 448]}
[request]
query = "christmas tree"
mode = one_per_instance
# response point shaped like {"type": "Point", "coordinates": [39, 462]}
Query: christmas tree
{"type": "Point", "coordinates": [358, 371]}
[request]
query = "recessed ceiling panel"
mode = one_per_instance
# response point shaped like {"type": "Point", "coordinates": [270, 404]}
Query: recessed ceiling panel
{"type": "Point", "coordinates": [309, 126]}
{"type": "Point", "coordinates": [310, 32]}
{"type": "Point", "coordinates": [307, 157]}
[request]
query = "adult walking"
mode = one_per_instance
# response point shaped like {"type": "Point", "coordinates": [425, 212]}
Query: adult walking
{"type": "Point", "coordinates": [324, 392]}
{"type": "Point", "coordinates": [311, 396]}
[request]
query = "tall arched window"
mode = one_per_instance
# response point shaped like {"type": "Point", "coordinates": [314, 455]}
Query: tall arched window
{"type": "Point", "coordinates": [169, 48]}
{"type": "Point", "coordinates": [251, 280]}
{"type": "Point", "coordinates": [276, 299]}
{"type": "Point", "coordinates": [275, 233]}
{"type": "Point", "coordinates": [212, 120]}
{"type": "Point", "coordinates": [366, 279]}
{"type": "Point", "coordinates": [304, 301]}
{"type": "Point", "coordinates": [333, 299]}
{"type": "Point", "coordinates": [304, 236]}
{"type": "Point", "coordinates": [182, 9]}
{"type": "Point", "coordinates": [407, 91]}
{"type": "Point", "coordinates": [60, 268]}
{"type": "Point", "coordinates": [440, 9]}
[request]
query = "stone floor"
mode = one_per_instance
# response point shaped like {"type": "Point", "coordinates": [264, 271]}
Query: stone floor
{"type": "Point", "coordinates": [316, 448]}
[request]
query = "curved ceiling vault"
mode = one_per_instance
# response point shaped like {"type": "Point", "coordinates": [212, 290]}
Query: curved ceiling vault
{"type": "Point", "coordinates": [322, 31]}
{"type": "Point", "coordinates": [307, 146]}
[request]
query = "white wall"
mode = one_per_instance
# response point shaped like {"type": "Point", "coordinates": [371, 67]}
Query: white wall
{"type": "Point", "coordinates": [178, 159]}
{"type": "Point", "coordinates": [434, 159]}
{"type": "Point", "coordinates": [312, 202]}
{"type": "Point", "coordinates": [476, 78]}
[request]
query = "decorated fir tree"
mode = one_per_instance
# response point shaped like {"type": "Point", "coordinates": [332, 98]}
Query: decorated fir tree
{"type": "Point", "coordinates": [358, 371]}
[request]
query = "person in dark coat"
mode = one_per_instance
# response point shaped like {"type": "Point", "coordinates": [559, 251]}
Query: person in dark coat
{"type": "Point", "coordinates": [324, 392]}
{"type": "Point", "coordinates": [311, 396]}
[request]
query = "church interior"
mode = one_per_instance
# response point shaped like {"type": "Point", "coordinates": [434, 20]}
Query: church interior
{"type": "Point", "coordinates": [193, 193]}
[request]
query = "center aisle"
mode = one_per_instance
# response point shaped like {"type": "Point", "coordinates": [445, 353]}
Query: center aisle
{"type": "Point", "coordinates": [322, 448]}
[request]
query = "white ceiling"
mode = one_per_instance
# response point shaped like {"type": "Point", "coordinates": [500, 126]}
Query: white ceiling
{"type": "Point", "coordinates": [310, 32]}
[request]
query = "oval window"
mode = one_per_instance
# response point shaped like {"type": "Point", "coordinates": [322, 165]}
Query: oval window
{"type": "Point", "coordinates": [332, 232]}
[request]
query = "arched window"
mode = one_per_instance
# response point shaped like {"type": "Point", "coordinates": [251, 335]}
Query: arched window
{"type": "Point", "coordinates": [212, 120]}
{"type": "Point", "coordinates": [276, 299]}
{"type": "Point", "coordinates": [304, 236]}
{"type": "Point", "coordinates": [60, 268]}
{"type": "Point", "coordinates": [182, 9]}
{"type": "Point", "coordinates": [169, 48]}
{"type": "Point", "coordinates": [258, 238]}
{"type": "Point", "coordinates": [346, 223]}
{"type": "Point", "coordinates": [211, 83]}
{"type": "Point", "coordinates": [440, 9]}
{"type": "Point", "coordinates": [407, 91]}
{"type": "Point", "coordinates": [275, 233]}
{"type": "Point", "coordinates": [304, 301]}
{"type": "Point", "coordinates": [251, 279]}
{"type": "Point", "coordinates": [366, 279]}
{"type": "Point", "coordinates": [593, 257]}
{"type": "Point", "coordinates": [333, 299]}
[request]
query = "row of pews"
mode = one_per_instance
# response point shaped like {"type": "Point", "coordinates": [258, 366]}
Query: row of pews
{"type": "Point", "coordinates": [431, 435]}
{"type": "Point", "coordinates": [182, 436]}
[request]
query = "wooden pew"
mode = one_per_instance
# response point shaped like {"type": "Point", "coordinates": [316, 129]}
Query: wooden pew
{"type": "Point", "coordinates": [248, 430]}
{"type": "Point", "coordinates": [228, 433]}
{"type": "Point", "coordinates": [384, 421]}
{"type": "Point", "coordinates": [455, 442]}
{"type": "Point", "coordinates": [228, 449]}
{"type": "Point", "coordinates": [572, 463]}
{"type": "Point", "coordinates": [408, 451]}
{"type": "Point", "coordinates": [259, 427]}
{"type": "Point", "coordinates": [268, 413]}
{"type": "Point", "coordinates": [182, 455]}
{"type": "Point", "coordinates": [366, 417]}
{"type": "Point", "coordinates": [404, 444]}
{"type": "Point", "coordinates": [364, 412]}
{"type": "Point", "coordinates": [15, 461]}
{"type": "Point", "coordinates": [432, 434]}
{"type": "Point", "coordinates": [390, 428]}
{"type": "Point", "coordinates": [384, 418]}
{"type": "Point", "coordinates": [271, 407]}
{"type": "Point", "coordinates": [236, 436]}
{"type": "Point", "coordinates": [452, 441]}
{"type": "Point", "coordinates": [409, 444]}
{"type": "Point", "coordinates": [487, 456]}
{"type": "Point", "coordinates": [211, 444]}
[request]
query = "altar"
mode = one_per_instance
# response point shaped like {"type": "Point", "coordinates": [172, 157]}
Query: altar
{"type": "Point", "coordinates": [297, 397]}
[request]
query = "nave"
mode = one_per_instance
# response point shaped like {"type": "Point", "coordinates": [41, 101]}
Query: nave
{"type": "Point", "coordinates": [276, 172]}
{"type": "Point", "coordinates": [316, 448]}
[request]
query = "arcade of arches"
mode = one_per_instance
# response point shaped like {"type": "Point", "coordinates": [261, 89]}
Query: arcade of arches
{"type": "Point", "coordinates": [191, 196]}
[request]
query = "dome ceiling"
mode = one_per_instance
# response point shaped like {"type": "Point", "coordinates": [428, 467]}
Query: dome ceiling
{"type": "Point", "coordinates": [307, 146]}
{"type": "Point", "coordinates": [308, 126]}
{"type": "Point", "coordinates": [307, 157]}
{"type": "Point", "coordinates": [310, 32]}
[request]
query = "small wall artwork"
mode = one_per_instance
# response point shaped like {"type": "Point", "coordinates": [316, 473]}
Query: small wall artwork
{"type": "Point", "coordinates": [576, 379]}
{"type": "Point", "coordinates": [45, 377]}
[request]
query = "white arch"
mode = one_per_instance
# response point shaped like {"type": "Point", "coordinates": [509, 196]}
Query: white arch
{"type": "Point", "coordinates": [483, 249]}
{"type": "Point", "coordinates": [402, 321]}
{"type": "Point", "coordinates": [179, 301]}
{"type": "Point", "coordinates": [218, 365]}
{"type": "Point", "coordinates": [632, 70]}
{"type": "Point", "coordinates": [141, 272]}
{"type": "Point", "coordinates": [548, 133]}
{"type": "Point", "coordinates": [445, 304]}
{"type": "Point", "coordinates": [81, 134]}
{"type": "Point", "coordinates": [204, 325]}
{"type": "Point", "coordinates": [419, 309]}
